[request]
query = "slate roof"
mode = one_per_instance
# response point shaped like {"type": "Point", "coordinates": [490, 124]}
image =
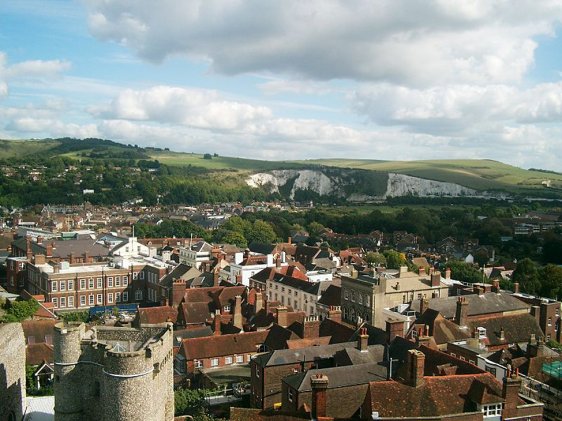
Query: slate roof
{"type": "Point", "coordinates": [292, 356]}
{"type": "Point", "coordinates": [338, 331]}
{"type": "Point", "coordinates": [331, 296]}
{"type": "Point", "coordinates": [217, 346]}
{"type": "Point", "coordinates": [442, 330]}
{"type": "Point", "coordinates": [490, 302]}
{"type": "Point", "coordinates": [517, 328]}
{"type": "Point", "coordinates": [339, 377]}
{"type": "Point", "coordinates": [278, 336]}
{"type": "Point", "coordinates": [63, 248]}
{"type": "Point", "coordinates": [353, 356]}
{"type": "Point", "coordinates": [181, 271]}
{"type": "Point", "coordinates": [305, 286]}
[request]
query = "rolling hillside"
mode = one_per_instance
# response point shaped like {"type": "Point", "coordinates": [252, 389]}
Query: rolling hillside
{"type": "Point", "coordinates": [480, 175]}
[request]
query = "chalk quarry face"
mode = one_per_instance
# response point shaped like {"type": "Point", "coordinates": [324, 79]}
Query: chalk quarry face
{"type": "Point", "coordinates": [336, 183]}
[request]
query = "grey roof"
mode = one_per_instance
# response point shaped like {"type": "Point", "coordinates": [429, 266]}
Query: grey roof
{"type": "Point", "coordinates": [181, 271]}
{"type": "Point", "coordinates": [352, 356]}
{"type": "Point", "coordinates": [305, 286]}
{"type": "Point", "coordinates": [292, 356]}
{"type": "Point", "coordinates": [331, 296]}
{"type": "Point", "coordinates": [339, 376]}
{"type": "Point", "coordinates": [490, 302]}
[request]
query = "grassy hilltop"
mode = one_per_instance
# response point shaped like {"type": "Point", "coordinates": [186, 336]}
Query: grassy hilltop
{"type": "Point", "coordinates": [479, 174]}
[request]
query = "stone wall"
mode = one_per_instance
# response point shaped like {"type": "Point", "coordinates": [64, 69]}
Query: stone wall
{"type": "Point", "coordinates": [12, 371]}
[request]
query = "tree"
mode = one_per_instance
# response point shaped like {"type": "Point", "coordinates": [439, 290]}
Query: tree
{"type": "Point", "coordinates": [207, 156]}
{"type": "Point", "coordinates": [261, 232]}
{"type": "Point", "coordinates": [17, 311]}
{"type": "Point", "coordinates": [527, 275]}
{"type": "Point", "coordinates": [189, 402]}
{"type": "Point", "coordinates": [375, 259]}
{"type": "Point", "coordinates": [551, 285]}
{"type": "Point", "coordinates": [394, 259]}
{"type": "Point", "coordinates": [464, 272]}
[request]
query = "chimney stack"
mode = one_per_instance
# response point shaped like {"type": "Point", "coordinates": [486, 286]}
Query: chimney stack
{"type": "Point", "coordinates": [363, 340]}
{"type": "Point", "coordinates": [39, 239]}
{"type": "Point", "coordinates": [319, 384]}
{"type": "Point", "coordinates": [424, 305]}
{"type": "Point", "coordinates": [436, 279]}
{"type": "Point", "coordinates": [496, 286]}
{"type": "Point", "coordinates": [461, 314]}
{"type": "Point", "coordinates": [334, 313]}
{"type": "Point", "coordinates": [282, 316]}
{"type": "Point", "coordinates": [28, 249]}
{"type": "Point", "coordinates": [516, 287]}
{"type": "Point", "coordinates": [71, 258]}
{"type": "Point", "coordinates": [421, 271]}
{"type": "Point", "coordinates": [49, 251]}
{"type": "Point", "coordinates": [394, 328]}
{"type": "Point", "coordinates": [510, 393]}
{"type": "Point", "coordinates": [259, 301]}
{"type": "Point", "coordinates": [448, 273]}
{"type": "Point", "coordinates": [39, 259]}
{"type": "Point", "coordinates": [217, 323]}
{"type": "Point", "coordinates": [311, 327]}
{"type": "Point", "coordinates": [238, 312]}
{"type": "Point", "coordinates": [415, 368]}
{"type": "Point", "coordinates": [502, 334]}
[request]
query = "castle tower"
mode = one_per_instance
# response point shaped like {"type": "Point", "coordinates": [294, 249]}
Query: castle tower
{"type": "Point", "coordinates": [68, 376]}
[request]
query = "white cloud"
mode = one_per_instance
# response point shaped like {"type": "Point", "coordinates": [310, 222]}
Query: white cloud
{"type": "Point", "coordinates": [400, 41]}
{"type": "Point", "coordinates": [52, 127]}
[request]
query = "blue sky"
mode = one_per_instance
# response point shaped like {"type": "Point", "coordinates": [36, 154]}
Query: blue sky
{"type": "Point", "coordinates": [395, 80]}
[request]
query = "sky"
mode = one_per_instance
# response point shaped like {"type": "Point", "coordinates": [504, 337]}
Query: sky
{"type": "Point", "coordinates": [291, 79]}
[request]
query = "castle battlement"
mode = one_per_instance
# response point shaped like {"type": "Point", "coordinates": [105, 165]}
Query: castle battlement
{"type": "Point", "coordinates": [112, 373]}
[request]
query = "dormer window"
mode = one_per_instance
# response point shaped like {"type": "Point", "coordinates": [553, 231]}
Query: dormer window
{"type": "Point", "coordinates": [226, 307]}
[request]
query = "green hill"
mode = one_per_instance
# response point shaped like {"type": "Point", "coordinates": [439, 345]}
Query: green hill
{"type": "Point", "coordinates": [475, 174]}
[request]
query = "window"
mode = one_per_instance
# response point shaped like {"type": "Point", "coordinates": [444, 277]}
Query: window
{"type": "Point", "coordinates": [70, 285]}
{"type": "Point", "coordinates": [91, 299]}
{"type": "Point", "coordinates": [138, 294]}
{"type": "Point", "coordinates": [110, 282]}
{"type": "Point", "coordinates": [346, 294]}
{"type": "Point", "coordinates": [82, 284]}
{"type": "Point", "coordinates": [99, 282]}
{"type": "Point", "coordinates": [117, 281]}
{"type": "Point", "coordinates": [63, 285]}
{"type": "Point", "coordinates": [82, 300]}
{"type": "Point", "coordinates": [55, 302]}
{"type": "Point", "coordinates": [228, 360]}
{"type": "Point", "coordinates": [63, 301]}
{"type": "Point", "coordinates": [99, 298]}
{"type": "Point", "coordinates": [239, 358]}
{"type": "Point", "coordinates": [550, 321]}
{"type": "Point", "coordinates": [91, 283]}
{"type": "Point", "coordinates": [214, 362]}
{"type": "Point", "coordinates": [125, 296]}
{"type": "Point", "coordinates": [360, 299]}
{"type": "Point", "coordinates": [125, 281]}
{"type": "Point", "coordinates": [117, 297]}
{"type": "Point", "coordinates": [53, 285]}
{"type": "Point", "coordinates": [110, 298]}
{"type": "Point", "coordinates": [141, 275]}
{"type": "Point", "coordinates": [290, 395]}
{"type": "Point", "coordinates": [353, 296]}
{"type": "Point", "coordinates": [198, 363]}
{"type": "Point", "coordinates": [492, 410]}
{"type": "Point", "coordinates": [367, 301]}
{"type": "Point", "coordinates": [70, 301]}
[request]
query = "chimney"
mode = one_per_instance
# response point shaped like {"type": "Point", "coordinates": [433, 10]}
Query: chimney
{"type": "Point", "coordinates": [49, 251]}
{"type": "Point", "coordinates": [363, 340]}
{"type": "Point", "coordinates": [461, 314]}
{"type": "Point", "coordinates": [39, 259]}
{"type": "Point", "coordinates": [423, 336]}
{"type": "Point", "coordinates": [178, 290]}
{"type": "Point", "coordinates": [502, 334]}
{"type": "Point", "coordinates": [71, 258]}
{"type": "Point", "coordinates": [424, 305]}
{"type": "Point", "coordinates": [311, 327]}
{"type": "Point", "coordinates": [28, 250]}
{"type": "Point", "coordinates": [402, 270]}
{"type": "Point", "coordinates": [436, 279]}
{"type": "Point", "coordinates": [238, 312]}
{"type": "Point", "coordinates": [448, 273]}
{"type": "Point", "coordinates": [290, 240]}
{"type": "Point", "coordinates": [496, 286]}
{"type": "Point", "coordinates": [40, 239]}
{"type": "Point", "coordinates": [421, 271]}
{"type": "Point", "coordinates": [510, 393]}
{"type": "Point", "coordinates": [516, 288]}
{"type": "Point", "coordinates": [319, 384]}
{"type": "Point", "coordinates": [415, 368]}
{"type": "Point", "coordinates": [334, 313]}
{"type": "Point", "coordinates": [282, 316]}
{"type": "Point", "coordinates": [259, 301]}
{"type": "Point", "coordinates": [216, 278]}
{"type": "Point", "coordinates": [56, 268]}
{"type": "Point", "coordinates": [394, 328]}
{"type": "Point", "coordinates": [217, 323]}
{"type": "Point", "coordinates": [278, 263]}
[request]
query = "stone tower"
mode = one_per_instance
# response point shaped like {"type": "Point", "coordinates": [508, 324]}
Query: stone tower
{"type": "Point", "coordinates": [109, 373]}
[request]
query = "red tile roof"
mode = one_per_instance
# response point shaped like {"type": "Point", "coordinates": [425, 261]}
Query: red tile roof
{"type": "Point", "coordinates": [154, 315]}
{"type": "Point", "coordinates": [35, 354]}
{"type": "Point", "coordinates": [216, 346]}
